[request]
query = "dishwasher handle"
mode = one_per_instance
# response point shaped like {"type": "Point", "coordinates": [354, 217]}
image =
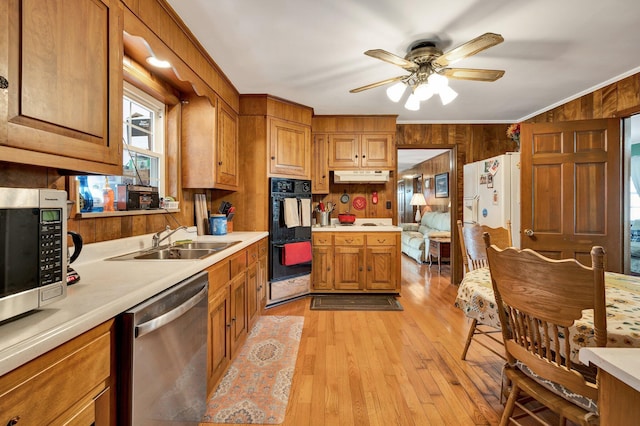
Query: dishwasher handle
{"type": "Point", "coordinates": [166, 318]}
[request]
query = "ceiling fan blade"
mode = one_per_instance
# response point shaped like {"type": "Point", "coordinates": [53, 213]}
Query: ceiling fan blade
{"type": "Point", "coordinates": [472, 74]}
{"type": "Point", "coordinates": [383, 55]}
{"type": "Point", "coordinates": [379, 83]}
{"type": "Point", "coordinates": [467, 49]}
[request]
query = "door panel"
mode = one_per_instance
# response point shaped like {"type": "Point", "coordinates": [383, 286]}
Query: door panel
{"type": "Point", "coordinates": [571, 189]}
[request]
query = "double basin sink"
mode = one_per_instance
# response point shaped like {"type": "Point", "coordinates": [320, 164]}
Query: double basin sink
{"type": "Point", "coordinates": [180, 251]}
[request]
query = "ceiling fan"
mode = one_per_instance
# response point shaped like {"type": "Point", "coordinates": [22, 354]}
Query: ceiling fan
{"type": "Point", "coordinates": [428, 69]}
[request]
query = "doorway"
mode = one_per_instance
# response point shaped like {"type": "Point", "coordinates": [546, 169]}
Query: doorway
{"type": "Point", "coordinates": [631, 137]}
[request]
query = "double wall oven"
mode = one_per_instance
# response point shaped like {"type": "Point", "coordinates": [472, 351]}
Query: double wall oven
{"type": "Point", "coordinates": [289, 197]}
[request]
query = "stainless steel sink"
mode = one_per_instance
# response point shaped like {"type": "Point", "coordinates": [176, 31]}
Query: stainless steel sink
{"type": "Point", "coordinates": [187, 251]}
{"type": "Point", "coordinates": [205, 245]}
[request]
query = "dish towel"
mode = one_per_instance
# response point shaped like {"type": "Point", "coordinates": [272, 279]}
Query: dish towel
{"type": "Point", "coordinates": [291, 213]}
{"type": "Point", "coordinates": [305, 211]}
{"type": "Point", "coordinates": [296, 253]}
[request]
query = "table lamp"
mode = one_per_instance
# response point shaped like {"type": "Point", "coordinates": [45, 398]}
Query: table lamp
{"type": "Point", "coordinates": [418, 200]}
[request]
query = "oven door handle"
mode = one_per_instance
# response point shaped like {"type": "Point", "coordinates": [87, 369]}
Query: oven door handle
{"type": "Point", "coordinates": [166, 318]}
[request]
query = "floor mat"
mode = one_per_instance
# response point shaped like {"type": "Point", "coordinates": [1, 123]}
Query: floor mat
{"type": "Point", "coordinates": [255, 389]}
{"type": "Point", "coordinates": [356, 302]}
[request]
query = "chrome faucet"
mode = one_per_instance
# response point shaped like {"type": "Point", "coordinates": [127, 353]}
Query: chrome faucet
{"type": "Point", "coordinates": [156, 240]}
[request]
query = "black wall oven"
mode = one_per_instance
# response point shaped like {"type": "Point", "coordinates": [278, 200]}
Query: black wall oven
{"type": "Point", "coordinates": [285, 193]}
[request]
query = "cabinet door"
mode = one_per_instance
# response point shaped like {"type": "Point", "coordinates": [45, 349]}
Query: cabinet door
{"type": "Point", "coordinates": [227, 148]}
{"type": "Point", "coordinates": [349, 268]}
{"type": "Point", "coordinates": [320, 165]}
{"type": "Point", "coordinates": [381, 268]}
{"type": "Point", "coordinates": [63, 104]}
{"type": "Point", "coordinates": [252, 295]}
{"type": "Point", "coordinates": [377, 151]}
{"type": "Point", "coordinates": [238, 311]}
{"type": "Point", "coordinates": [344, 151]}
{"type": "Point", "coordinates": [290, 149]}
{"type": "Point", "coordinates": [322, 269]}
{"type": "Point", "coordinates": [219, 342]}
{"type": "Point", "coordinates": [262, 282]}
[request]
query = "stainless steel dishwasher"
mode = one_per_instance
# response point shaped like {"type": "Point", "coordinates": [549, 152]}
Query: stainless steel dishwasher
{"type": "Point", "coordinates": [164, 348]}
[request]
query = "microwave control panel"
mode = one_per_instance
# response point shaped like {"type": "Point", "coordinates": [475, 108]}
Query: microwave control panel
{"type": "Point", "coordinates": [50, 246]}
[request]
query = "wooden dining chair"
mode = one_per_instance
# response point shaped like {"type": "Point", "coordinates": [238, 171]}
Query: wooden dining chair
{"type": "Point", "coordinates": [474, 256]}
{"type": "Point", "coordinates": [542, 298]}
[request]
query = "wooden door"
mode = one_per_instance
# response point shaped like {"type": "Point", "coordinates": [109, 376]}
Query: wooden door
{"type": "Point", "coordinates": [227, 148]}
{"type": "Point", "coordinates": [344, 151]}
{"type": "Point", "coordinates": [571, 189]}
{"type": "Point", "coordinates": [376, 151]}
{"type": "Point", "coordinates": [320, 165]}
{"type": "Point", "coordinates": [322, 268]}
{"type": "Point", "coordinates": [290, 146]}
{"type": "Point", "coordinates": [64, 103]}
{"type": "Point", "coordinates": [349, 267]}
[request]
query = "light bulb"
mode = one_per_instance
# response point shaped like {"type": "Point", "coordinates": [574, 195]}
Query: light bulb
{"type": "Point", "coordinates": [423, 92]}
{"type": "Point", "coordinates": [396, 91]}
{"type": "Point", "coordinates": [437, 82]}
{"type": "Point", "coordinates": [413, 103]}
{"type": "Point", "coordinates": [447, 94]}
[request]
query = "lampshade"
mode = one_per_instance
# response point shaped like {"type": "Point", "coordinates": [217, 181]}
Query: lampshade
{"type": "Point", "coordinates": [418, 200]}
{"type": "Point", "coordinates": [438, 82]}
{"type": "Point", "coordinates": [413, 103]}
{"type": "Point", "coordinates": [447, 94]}
{"type": "Point", "coordinates": [396, 91]}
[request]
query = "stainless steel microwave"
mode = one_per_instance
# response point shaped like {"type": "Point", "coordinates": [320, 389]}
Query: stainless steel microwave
{"type": "Point", "coordinates": [33, 249]}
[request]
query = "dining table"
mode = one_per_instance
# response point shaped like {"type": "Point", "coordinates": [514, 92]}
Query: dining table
{"type": "Point", "coordinates": [476, 299]}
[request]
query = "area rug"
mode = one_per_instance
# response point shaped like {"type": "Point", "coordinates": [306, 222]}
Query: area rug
{"type": "Point", "coordinates": [256, 387]}
{"type": "Point", "coordinates": [356, 302]}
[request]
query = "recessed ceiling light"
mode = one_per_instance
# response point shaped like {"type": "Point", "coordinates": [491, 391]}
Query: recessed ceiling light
{"type": "Point", "coordinates": [158, 63]}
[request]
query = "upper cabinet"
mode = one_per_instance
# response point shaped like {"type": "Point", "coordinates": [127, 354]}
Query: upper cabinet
{"type": "Point", "coordinates": [320, 164]}
{"type": "Point", "coordinates": [289, 148]}
{"type": "Point", "coordinates": [61, 104]}
{"type": "Point", "coordinates": [356, 142]}
{"type": "Point", "coordinates": [209, 144]}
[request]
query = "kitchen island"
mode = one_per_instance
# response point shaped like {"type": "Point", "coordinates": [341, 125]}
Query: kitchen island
{"type": "Point", "coordinates": [359, 258]}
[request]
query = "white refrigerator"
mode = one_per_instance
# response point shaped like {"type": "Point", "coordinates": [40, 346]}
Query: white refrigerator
{"type": "Point", "coordinates": [492, 193]}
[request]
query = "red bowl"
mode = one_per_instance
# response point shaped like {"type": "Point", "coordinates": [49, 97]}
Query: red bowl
{"type": "Point", "coordinates": [346, 217]}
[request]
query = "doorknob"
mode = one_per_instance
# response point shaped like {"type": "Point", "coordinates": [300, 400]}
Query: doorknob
{"type": "Point", "coordinates": [528, 232]}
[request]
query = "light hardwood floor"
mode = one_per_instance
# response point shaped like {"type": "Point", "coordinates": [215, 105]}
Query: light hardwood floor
{"type": "Point", "coordinates": [393, 368]}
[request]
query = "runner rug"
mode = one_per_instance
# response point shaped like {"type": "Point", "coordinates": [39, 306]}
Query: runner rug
{"type": "Point", "coordinates": [256, 387]}
{"type": "Point", "coordinates": [356, 302]}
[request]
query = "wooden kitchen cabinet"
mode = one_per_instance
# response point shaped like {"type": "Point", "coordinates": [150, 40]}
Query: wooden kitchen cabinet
{"type": "Point", "coordinates": [361, 151]}
{"type": "Point", "coordinates": [62, 106]}
{"type": "Point", "coordinates": [263, 249]}
{"type": "Point", "coordinates": [209, 144]}
{"type": "Point", "coordinates": [320, 164]}
{"type": "Point", "coordinates": [356, 262]}
{"type": "Point", "coordinates": [289, 149]}
{"type": "Point", "coordinates": [219, 323]}
{"type": "Point", "coordinates": [76, 380]}
{"type": "Point", "coordinates": [238, 288]}
{"type": "Point", "coordinates": [253, 298]}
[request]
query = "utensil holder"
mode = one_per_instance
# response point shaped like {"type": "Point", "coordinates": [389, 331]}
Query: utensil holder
{"type": "Point", "coordinates": [323, 218]}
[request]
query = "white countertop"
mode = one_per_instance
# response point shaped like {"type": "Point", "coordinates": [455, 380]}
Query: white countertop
{"type": "Point", "coordinates": [381, 225]}
{"type": "Point", "coordinates": [621, 363]}
{"type": "Point", "coordinates": [106, 289]}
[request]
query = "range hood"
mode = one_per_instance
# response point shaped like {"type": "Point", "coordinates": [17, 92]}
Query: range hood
{"type": "Point", "coordinates": [361, 176]}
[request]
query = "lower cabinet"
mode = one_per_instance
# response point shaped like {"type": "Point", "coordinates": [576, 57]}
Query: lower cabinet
{"type": "Point", "coordinates": [236, 286]}
{"type": "Point", "coordinates": [76, 380]}
{"type": "Point", "coordinates": [356, 262]}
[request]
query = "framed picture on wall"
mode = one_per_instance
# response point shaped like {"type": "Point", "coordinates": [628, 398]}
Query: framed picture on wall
{"type": "Point", "coordinates": [419, 184]}
{"type": "Point", "coordinates": [442, 185]}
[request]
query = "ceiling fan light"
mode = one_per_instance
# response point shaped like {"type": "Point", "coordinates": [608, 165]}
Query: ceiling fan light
{"type": "Point", "coordinates": [447, 94]}
{"type": "Point", "coordinates": [413, 103]}
{"type": "Point", "coordinates": [437, 82]}
{"type": "Point", "coordinates": [423, 92]}
{"type": "Point", "coordinates": [396, 91]}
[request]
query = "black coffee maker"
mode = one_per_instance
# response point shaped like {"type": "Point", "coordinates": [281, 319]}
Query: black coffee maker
{"type": "Point", "coordinates": [72, 275]}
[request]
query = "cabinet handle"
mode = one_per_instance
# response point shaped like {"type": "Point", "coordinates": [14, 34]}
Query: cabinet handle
{"type": "Point", "coordinates": [382, 241]}
{"type": "Point", "coordinates": [328, 268]}
{"type": "Point", "coordinates": [229, 325]}
{"type": "Point", "coordinates": [4, 84]}
{"type": "Point", "coordinates": [233, 319]}
{"type": "Point", "coordinates": [219, 163]}
{"type": "Point", "coordinates": [356, 155]}
{"type": "Point", "coordinates": [363, 155]}
{"type": "Point", "coordinates": [360, 268]}
{"type": "Point", "coordinates": [349, 241]}
{"type": "Point", "coordinates": [369, 268]}
{"type": "Point", "coordinates": [273, 158]}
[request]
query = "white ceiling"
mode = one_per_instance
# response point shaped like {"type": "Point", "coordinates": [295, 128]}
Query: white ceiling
{"type": "Point", "coordinates": [311, 51]}
{"type": "Point", "coordinates": [408, 158]}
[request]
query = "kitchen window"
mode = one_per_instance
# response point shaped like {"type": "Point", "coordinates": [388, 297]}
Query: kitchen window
{"type": "Point", "coordinates": [143, 153]}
